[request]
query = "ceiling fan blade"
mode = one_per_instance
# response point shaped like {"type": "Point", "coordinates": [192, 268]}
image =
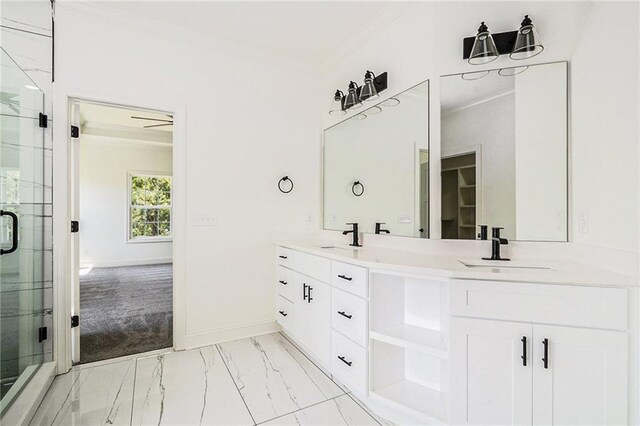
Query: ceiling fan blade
{"type": "Point", "coordinates": [157, 125]}
{"type": "Point", "coordinates": [151, 119]}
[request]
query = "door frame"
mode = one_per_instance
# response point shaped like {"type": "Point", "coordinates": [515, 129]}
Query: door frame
{"type": "Point", "coordinates": [62, 210]}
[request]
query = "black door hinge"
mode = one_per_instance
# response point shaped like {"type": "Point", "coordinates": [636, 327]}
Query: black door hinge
{"type": "Point", "coordinates": [75, 131]}
{"type": "Point", "coordinates": [42, 120]}
{"type": "Point", "coordinates": [42, 334]}
{"type": "Point", "coordinates": [75, 321]}
{"type": "Point", "coordinates": [75, 226]}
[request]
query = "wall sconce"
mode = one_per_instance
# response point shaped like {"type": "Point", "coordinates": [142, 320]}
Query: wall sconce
{"type": "Point", "coordinates": [486, 47]}
{"type": "Point", "coordinates": [336, 104]}
{"type": "Point", "coordinates": [373, 85]}
{"type": "Point", "coordinates": [352, 100]}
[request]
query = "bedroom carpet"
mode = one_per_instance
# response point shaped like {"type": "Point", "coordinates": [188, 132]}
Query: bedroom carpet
{"type": "Point", "coordinates": [125, 310]}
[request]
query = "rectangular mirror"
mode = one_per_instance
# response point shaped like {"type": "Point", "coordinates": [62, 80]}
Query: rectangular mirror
{"type": "Point", "coordinates": [504, 153]}
{"type": "Point", "coordinates": [376, 167]}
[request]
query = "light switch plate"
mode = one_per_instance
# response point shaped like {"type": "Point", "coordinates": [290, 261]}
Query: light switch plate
{"type": "Point", "coordinates": [205, 218]}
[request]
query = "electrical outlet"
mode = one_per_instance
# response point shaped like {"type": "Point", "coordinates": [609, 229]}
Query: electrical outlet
{"type": "Point", "coordinates": [405, 218]}
{"type": "Point", "coordinates": [207, 218]}
{"type": "Point", "coordinates": [310, 219]}
{"type": "Point", "coordinates": [583, 223]}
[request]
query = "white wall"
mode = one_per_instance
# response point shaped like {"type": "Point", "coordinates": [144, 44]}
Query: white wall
{"type": "Point", "coordinates": [463, 130]}
{"type": "Point", "coordinates": [246, 127]}
{"type": "Point", "coordinates": [604, 127]}
{"type": "Point", "coordinates": [104, 167]}
{"type": "Point", "coordinates": [426, 42]}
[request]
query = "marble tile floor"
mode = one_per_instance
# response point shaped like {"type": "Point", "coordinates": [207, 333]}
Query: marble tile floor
{"type": "Point", "coordinates": [258, 380]}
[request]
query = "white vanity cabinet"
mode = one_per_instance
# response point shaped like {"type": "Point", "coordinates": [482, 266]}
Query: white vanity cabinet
{"type": "Point", "coordinates": [429, 348]}
{"type": "Point", "coordinates": [519, 371]}
{"type": "Point", "coordinates": [303, 301]}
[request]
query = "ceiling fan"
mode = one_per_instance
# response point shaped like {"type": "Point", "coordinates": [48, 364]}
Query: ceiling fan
{"type": "Point", "coordinates": [162, 122]}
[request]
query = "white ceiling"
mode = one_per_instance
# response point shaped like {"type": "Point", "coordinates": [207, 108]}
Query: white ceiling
{"type": "Point", "coordinates": [117, 122]}
{"type": "Point", "coordinates": [308, 32]}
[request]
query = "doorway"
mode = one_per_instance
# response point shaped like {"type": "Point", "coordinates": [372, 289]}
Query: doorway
{"type": "Point", "coordinates": [459, 189]}
{"type": "Point", "coordinates": [122, 244]}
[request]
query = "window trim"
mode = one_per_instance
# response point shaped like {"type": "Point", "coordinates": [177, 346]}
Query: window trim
{"type": "Point", "coordinates": [137, 240]}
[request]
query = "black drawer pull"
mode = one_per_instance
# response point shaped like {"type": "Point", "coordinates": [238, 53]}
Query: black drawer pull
{"type": "Point", "coordinates": [345, 315]}
{"type": "Point", "coordinates": [545, 358]}
{"type": "Point", "coordinates": [283, 313]}
{"type": "Point", "coordinates": [344, 277]}
{"type": "Point", "coordinates": [282, 282]}
{"type": "Point", "coordinates": [341, 358]}
{"type": "Point", "coordinates": [524, 350]}
{"type": "Point", "coordinates": [309, 298]}
{"type": "Point", "coordinates": [282, 257]}
{"type": "Point", "coordinates": [304, 291]}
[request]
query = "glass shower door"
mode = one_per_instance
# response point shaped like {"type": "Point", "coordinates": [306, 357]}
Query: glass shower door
{"type": "Point", "coordinates": [25, 231]}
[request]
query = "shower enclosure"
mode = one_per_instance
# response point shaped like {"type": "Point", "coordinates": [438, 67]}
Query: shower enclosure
{"type": "Point", "coordinates": [26, 262]}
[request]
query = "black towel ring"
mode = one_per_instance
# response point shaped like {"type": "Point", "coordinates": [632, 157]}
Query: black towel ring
{"type": "Point", "coordinates": [285, 179]}
{"type": "Point", "coordinates": [353, 188]}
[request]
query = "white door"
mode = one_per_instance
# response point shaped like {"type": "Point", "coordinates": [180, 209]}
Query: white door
{"type": "Point", "coordinates": [74, 148]}
{"type": "Point", "coordinates": [584, 378]}
{"type": "Point", "coordinates": [491, 374]}
{"type": "Point", "coordinates": [313, 321]}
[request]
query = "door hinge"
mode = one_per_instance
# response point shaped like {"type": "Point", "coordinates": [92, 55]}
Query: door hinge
{"type": "Point", "coordinates": [75, 226]}
{"type": "Point", "coordinates": [75, 321]}
{"type": "Point", "coordinates": [75, 131]}
{"type": "Point", "coordinates": [42, 334]}
{"type": "Point", "coordinates": [42, 120]}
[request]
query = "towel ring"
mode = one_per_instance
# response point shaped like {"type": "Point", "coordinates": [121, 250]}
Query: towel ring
{"type": "Point", "coordinates": [285, 179]}
{"type": "Point", "coordinates": [353, 188]}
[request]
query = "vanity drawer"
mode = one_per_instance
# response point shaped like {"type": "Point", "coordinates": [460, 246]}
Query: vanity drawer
{"type": "Point", "coordinates": [285, 282]}
{"type": "Point", "coordinates": [285, 256]}
{"type": "Point", "coordinates": [581, 306]}
{"type": "Point", "coordinates": [349, 316]}
{"type": "Point", "coordinates": [350, 278]}
{"type": "Point", "coordinates": [349, 363]}
{"type": "Point", "coordinates": [313, 266]}
{"type": "Point", "coordinates": [285, 313]}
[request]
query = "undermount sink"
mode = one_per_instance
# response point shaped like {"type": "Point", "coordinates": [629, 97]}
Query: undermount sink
{"type": "Point", "coordinates": [504, 266]}
{"type": "Point", "coordinates": [336, 247]}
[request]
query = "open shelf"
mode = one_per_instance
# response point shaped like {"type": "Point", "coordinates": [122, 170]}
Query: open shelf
{"type": "Point", "coordinates": [415, 338]}
{"type": "Point", "coordinates": [423, 401]}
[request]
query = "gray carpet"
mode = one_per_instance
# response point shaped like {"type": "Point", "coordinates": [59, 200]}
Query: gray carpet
{"type": "Point", "coordinates": [125, 310]}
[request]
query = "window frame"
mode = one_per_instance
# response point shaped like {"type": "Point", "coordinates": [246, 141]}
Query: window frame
{"type": "Point", "coordinates": [157, 239]}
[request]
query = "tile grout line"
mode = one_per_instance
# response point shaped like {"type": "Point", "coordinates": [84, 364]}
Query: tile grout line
{"type": "Point", "coordinates": [300, 409]}
{"type": "Point", "coordinates": [330, 378]}
{"type": "Point", "coordinates": [234, 383]}
{"type": "Point", "coordinates": [133, 393]}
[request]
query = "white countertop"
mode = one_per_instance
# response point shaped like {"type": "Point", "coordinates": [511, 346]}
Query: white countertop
{"type": "Point", "coordinates": [534, 271]}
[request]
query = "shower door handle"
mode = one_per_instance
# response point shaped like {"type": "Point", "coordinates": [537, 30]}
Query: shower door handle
{"type": "Point", "coordinates": [14, 239]}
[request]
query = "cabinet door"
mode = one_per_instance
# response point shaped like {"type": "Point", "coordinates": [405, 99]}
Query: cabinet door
{"type": "Point", "coordinates": [489, 382]}
{"type": "Point", "coordinates": [313, 323]}
{"type": "Point", "coordinates": [585, 379]}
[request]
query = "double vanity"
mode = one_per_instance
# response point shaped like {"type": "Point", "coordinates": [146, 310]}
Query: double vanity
{"type": "Point", "coordinates": [442, 340]}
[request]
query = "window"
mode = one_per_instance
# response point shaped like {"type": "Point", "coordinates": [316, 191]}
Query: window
{"type": "Point", "coordinates": [149, 207]}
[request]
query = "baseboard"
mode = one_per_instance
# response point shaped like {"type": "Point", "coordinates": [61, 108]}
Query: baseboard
{"type": "Point", "coordinates": [116, 264]}
{"type": "Point", "coordinates": [231, 333]}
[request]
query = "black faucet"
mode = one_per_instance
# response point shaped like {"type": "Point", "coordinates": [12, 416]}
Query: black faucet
{"type": "Point", "coordinates": [354, 230]}
{"type": "Point", "coordinates": [496, 242]}
{"type": "Point", "coordinates": [483, 234]}
{"type": "Point", "coordinates": [379, 230]}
